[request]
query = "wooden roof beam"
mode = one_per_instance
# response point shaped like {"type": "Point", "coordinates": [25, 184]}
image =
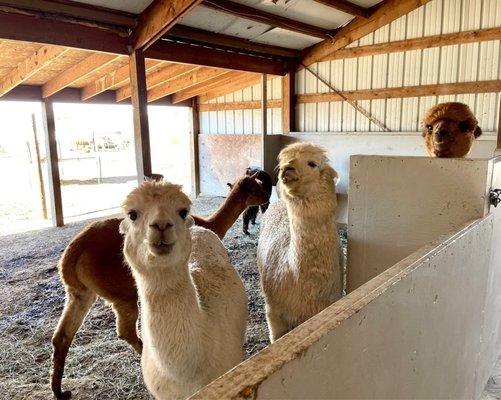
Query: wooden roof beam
{"type": "Point", "coordinates": [186, 81]}
{"type": "Point", "coordinates": [76, 72]}
{"type": "Point", "coordinates": [30, 66]}
{"type": "Point", "coordinates": [427, 42]}
{"type": "Point", "coordinates": [199, 55]}
{"type": "Point", "coordinates": [385, 13]}
{"type": "Point", "coordinates": [347, 7]}
{"type": "Point", "coordinates": [229, 42]}
{"type": "Point", "coordinates": [267, 18]}
{"type": "Point", "coordinates": [157, 19]}
{"type": "Point", "coordinates": [31, 28]}
{"type": "Point", "coordinates": [157, 78]}
{"type": "Point", "coordinates": [113, 79]}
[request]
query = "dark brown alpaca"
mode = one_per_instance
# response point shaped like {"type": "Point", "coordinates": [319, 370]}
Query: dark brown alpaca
{"type": "Point", "coordinates": [92, 265]}
{"type": "Point", "coordinates": [251, 212]}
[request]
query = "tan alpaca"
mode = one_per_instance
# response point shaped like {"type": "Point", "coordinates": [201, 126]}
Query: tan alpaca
{"type": "Point", "coordinates": [298, 249]}
{"type": "Point", "coordinates": [193, 303]}
{"type": "Point", "coordinates": [92, 265]}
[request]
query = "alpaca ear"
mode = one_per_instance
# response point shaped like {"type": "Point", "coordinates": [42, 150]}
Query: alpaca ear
{"type": "Point", "coordinates": [478, 132]}
{"type": "Point", "coordinates": [230, 185]}
{"type": "Point", "coordinates": [254, 176]}
{"type": "Point", "coordinates": [123, 227]}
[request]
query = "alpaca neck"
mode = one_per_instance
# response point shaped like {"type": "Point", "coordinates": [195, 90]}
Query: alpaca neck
{"type": "Point", "coordinates": [228, 213]}
{"type": "Point", "coordinates": [171, 317]}
{"type": "Point", "coordinates": [313, 230]}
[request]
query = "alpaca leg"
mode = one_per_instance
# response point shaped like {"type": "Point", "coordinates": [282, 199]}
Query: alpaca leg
{"type": "Point", "coordinates": [264, 207]}
{"type": "Point", "coordinates": [78, 303]}
{"type": "Point", "coordinates": [127, 315]}
{"type": "Point", "coordinates": [276, 325]}
{"type": "Point", "coordinates": [246, 218]}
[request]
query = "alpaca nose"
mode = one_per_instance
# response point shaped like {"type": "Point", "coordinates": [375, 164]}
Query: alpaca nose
{"type": "Point", "coordinates": [161, 225]}
{"type": "Point", "coordinates": [442, 132]}
{"type": "Point", "coordinates": [287, 169]}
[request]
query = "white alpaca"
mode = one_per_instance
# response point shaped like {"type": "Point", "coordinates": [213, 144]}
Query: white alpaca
{"type": "Point", "coordinates": [298, 249]}
{"type": "Point", "coordinates": [193, 303]}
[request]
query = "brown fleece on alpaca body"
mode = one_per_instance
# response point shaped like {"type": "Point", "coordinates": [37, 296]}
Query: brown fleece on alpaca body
{"type": "Point", "coordinates": [449, 130]}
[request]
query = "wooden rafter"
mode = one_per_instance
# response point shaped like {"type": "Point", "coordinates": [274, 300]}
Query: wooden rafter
{"type": "Point", "coordinates": [359, 27]}
{"type": "Point", "coordinates": [427, 42]}
{"type": "Point", "coordinates": [31, 28]}
{"type": "Point", "coordinates": [245, 81]}
{"type": "Point", "coordinates": [264, 17]}
{"type": "Point", "coordinates": [157, 19]}
{"type": "Point", "coordinates": [30, 66]}
{"type": "Point", "coordinates": [113, 79]}
{"type": "Point", "coordinates": [198, 55]}
{"type": "Point", "coordinates": [185, 81]}
{"type": "Point", "coordinates": [157, 78]}
{"type": "Point", "coordinates": [441, 89]}
{"type": "Point", "coordinates": [76, 72]}
{"type": "Point", "coordinates": [204, 87]}
{"type": "Point", "coordinates": [347, 7]}
{"type": "Point", "coordinates": [200, 36]}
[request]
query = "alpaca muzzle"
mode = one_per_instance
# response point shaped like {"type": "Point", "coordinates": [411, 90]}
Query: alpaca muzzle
{"type": "Point", "coordinates": [288, 174]}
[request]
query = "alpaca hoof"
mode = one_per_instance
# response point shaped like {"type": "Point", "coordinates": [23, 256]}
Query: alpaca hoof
{"type": "Point", "coordinates": [64, 395]}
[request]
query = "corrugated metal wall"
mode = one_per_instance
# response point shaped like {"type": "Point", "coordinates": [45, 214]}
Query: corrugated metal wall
{"type": "Point", "coordinates": [459, 63]}
{"type": "Point", "coordinates": [243, 121]}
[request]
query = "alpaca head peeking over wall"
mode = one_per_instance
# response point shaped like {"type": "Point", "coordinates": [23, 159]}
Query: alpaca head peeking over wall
{"type": "Point", "coordinates": [449, 130]}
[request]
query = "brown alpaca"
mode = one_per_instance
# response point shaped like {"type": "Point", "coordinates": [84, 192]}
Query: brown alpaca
{"type": "Point", "coordinates": [92, 265]}
{"type": "Point", "coordinates": [449, 130]}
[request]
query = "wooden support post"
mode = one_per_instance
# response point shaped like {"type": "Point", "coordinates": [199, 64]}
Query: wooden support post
{"type": "Point", "coordinates": [498, 147]}
{"type": "Point", "coordinates": [194, 150]}
{"type": "Point", "coordinates": [264, 116]}
{"type": "Point", "coordinates": [140, 114]}
{"type": "Point", "coordinates": [289, 102]}
{"type": "Point", "coordinates": [56, 202]}
{"type": "Point", "coordinates": [38, 168]}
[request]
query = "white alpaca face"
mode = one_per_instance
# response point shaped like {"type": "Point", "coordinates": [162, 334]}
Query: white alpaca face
{"type": "Point", "coordinates": [156, 226]}
{"type": "Point", "coordinates": [301, 168]}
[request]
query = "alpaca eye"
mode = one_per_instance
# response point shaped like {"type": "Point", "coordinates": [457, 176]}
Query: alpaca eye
{"type": "Point", "coordinates": [183, 213]}
{"type": "Point", "coordinates": [429, 127]}
{"type": "Point", "coordinates": [312, 164]}
{"type": "Point", "coordinates": [132, 215]}
{"type": "Point", "coordinates": [463, 126]}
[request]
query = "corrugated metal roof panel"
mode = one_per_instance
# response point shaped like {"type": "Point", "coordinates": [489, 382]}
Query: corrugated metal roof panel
{"type": "Point", "coordinates": [285, 38]}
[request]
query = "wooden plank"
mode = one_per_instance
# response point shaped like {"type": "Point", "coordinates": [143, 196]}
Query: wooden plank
{"type": "Point", "coordinates": [54, 181]}
{"type": "Point", "coordinates": [165, 74]}
{"type": "Point", "coordinates": [29, 28]}
{"type": "Point", "coordinates": [289, 103]}
{"type": "Point", "coordinates": [347, 7]}
{"type": "Point", "coordinates": [38, 167]}
{"type": "Point", "coordinates": [200, 36]}
{"type": "Point", "coordinates": [140, 115]}
{"type": "Point", "coordinates": [193, 54]}
{"type": "Point", "coordinates": [406, 91]}
{"type": "Point", "coordinates": [30, 66]}
{"type": "Point", "coordinates": [387, 12]}
{"type": "Point", "coordinates": [157, 19]}
{"type": "Point", "coordinates": [185, 81]}
{"type": "Point", "coordinates": [254, 14]}
{"type": "Point", "coordinates": [115, 78]}
{"type": "Point", "coordinates": [194, 149]}
{"type": "Point", "coordinates": [427, 42]}
{"type": "Point", "coordinates": [238, 105]}
{"type": "Point", "coordinates": [76, 72]}
{"type": "Point", "coordinates": [203, 87]}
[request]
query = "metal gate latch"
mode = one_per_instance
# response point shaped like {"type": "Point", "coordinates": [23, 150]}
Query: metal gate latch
{"type": "Point", "coordinates": [495, 197]}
